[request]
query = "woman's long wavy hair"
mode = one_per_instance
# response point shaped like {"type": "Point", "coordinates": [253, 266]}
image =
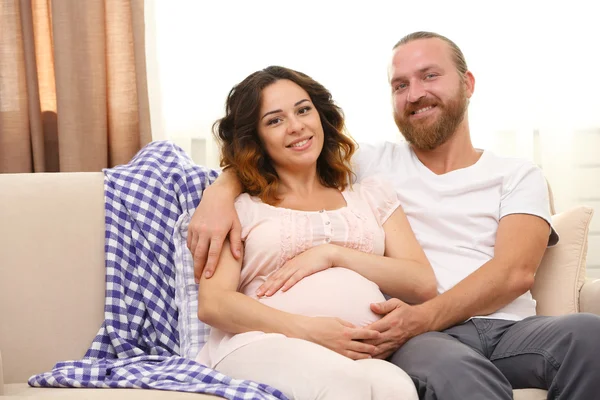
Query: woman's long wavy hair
{"type": "Point", "coordinates": [241, 147]}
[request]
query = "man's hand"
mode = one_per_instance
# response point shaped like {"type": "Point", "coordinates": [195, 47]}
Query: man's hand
{"type": "Point", "coordinates": [400, 323]}
{"type": "Point", "coordinates": [214, 219]}
{"type": "Point", "coordinates": [313, 260]}
{"type": "Point", "coordinates": [340, 336]}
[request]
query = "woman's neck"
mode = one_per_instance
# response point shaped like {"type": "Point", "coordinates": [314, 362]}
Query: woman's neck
{"type": "Point", "coordinates": [299, 184]}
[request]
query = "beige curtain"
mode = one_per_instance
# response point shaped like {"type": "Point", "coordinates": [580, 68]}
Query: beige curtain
{"type": "Point", "coordinates": [73, 89]}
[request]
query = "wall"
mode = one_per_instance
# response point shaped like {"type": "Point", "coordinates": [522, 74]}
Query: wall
{"type": "Point", "coordinates": [535, 62]}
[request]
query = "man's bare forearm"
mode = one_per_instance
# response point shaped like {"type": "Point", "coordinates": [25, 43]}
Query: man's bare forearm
{"type": "Point", "coordinates": [228, 183]}
{"type": "Point", "coordinates": [483, 292]}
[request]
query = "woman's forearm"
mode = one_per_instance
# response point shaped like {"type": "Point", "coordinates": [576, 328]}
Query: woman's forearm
{"type": "Point", "coordinates": [235, 312]}
{"type": "Point", "coordinates": [405, 279]}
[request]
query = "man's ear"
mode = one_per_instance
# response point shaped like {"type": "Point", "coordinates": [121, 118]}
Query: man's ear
{"type": "Point", "coordinates": [469, 81]}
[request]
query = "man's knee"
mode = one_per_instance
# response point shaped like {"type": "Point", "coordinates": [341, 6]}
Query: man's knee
{"type": "Point", "coordinates": [434, 351]}
{"type": "Point", "coordinates": [583, 330]}
{"type": "Point", "coordinates": [439, 363]}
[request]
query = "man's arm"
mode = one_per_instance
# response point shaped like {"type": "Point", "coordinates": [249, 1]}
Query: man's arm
{"type": "Point", "coordinates": [520, 244]}
{"type": "Point", "coordinates": [214, 220]}
{"type": "Point", "coordinates": [521, 240]}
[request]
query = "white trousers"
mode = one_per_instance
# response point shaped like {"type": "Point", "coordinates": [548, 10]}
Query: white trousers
{"type": "Point", "coordinates": [304, 370]}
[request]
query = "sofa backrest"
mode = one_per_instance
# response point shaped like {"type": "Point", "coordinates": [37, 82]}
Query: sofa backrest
{"type": "Point", "coordinates": [51, 269]}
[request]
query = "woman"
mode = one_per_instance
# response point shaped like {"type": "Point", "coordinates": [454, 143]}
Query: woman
{"type": "Point", "coordinates": [333, 248]}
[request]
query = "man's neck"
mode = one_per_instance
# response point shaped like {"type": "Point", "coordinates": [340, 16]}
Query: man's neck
{"type": "Point", "coordinates": [456, 153]}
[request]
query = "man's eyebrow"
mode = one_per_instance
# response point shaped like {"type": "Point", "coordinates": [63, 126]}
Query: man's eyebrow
{"type": "Point", "coordinates": [429, 67]}
{"type": "Point", "coordinates": [279, 110]}
{"type": "Point", "coordinates": [396, 79]}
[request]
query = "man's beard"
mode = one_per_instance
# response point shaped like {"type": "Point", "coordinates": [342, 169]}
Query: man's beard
{"type": "Point", "coordinates": [428, 135]}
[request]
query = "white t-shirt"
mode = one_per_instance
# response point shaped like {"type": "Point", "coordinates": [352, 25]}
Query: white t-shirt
{"type": "Point", "coordinates": [455, 216]}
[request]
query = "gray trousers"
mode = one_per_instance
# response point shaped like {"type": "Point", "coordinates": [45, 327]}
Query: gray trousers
{"type": "Point", "coordinates": [484, 359]}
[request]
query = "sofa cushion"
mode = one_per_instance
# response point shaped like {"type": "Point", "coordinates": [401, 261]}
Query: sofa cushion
{"type": "Point", "coordinates": [530, 394]}
{"type": "Point", "coordinates": [21, 390]}
{"type": "Point", "coordinates": [562, 271]}
{"type": "Point", "coordinates": [193, 333]}
{"type": "Point", "coordinates": [51, 252]}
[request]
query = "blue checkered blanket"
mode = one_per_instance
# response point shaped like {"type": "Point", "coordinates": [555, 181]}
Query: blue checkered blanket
{"type": "Point", "coordinates": [137, 346]}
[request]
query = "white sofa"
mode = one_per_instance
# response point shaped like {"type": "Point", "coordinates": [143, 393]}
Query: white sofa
{"type": "Point", "coordinates": [52, 279]}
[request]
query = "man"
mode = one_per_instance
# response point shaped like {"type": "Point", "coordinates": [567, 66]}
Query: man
{"type": "Point", "coordinates": [484, 224]}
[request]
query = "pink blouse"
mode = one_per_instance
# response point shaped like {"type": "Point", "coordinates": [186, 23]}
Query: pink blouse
{"type": "Point", "coordinates": [274, 235]}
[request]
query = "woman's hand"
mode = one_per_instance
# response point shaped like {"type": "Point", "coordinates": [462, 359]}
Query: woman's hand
{"type": "Point", "coordinates": [340, 336]}
{"type": "Point", "coordinates": [313, 260]}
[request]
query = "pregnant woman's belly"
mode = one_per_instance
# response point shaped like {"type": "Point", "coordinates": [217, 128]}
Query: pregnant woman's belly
{"type": "Point", "coordinates": [334, 292]}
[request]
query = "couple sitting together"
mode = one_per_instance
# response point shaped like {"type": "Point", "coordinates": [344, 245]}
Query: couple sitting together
{"type": "Point", "coordinates": [318, 233]}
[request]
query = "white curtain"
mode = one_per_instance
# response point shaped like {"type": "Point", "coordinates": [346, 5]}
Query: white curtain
{"type": "Point", "coordinates": [536, 64]}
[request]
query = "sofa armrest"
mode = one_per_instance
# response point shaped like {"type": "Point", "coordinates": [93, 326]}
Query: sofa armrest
{"type": "Point", "coordinates": [589, 297]}
{"type": "Point", "coordinates": [1, 376]}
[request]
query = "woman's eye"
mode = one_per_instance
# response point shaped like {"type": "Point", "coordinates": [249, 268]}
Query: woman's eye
{"type": "Point", "coordinates": [274, 121]}
{"type": "Point", "coordinates": [304, 110]}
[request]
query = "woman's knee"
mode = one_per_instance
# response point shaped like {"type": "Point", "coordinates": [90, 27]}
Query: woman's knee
{"type": "Point", "coordinates": [302, 370]}
{"type": "Point", "coordinates": [388, 381]}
